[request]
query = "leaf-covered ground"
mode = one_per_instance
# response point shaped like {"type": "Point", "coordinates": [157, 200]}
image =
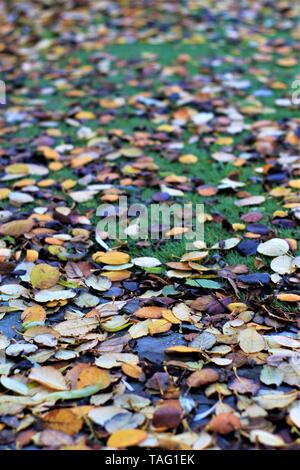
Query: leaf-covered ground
{"type": "Point", "coordinates": [147, 344]}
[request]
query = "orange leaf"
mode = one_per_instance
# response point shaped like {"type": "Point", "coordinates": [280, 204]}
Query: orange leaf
{"type": "Point", "coordinates": [126, 438]}
{"type": "Point", "coordinates": [288, 297]}
{"type": "Point", "coordinates": [92, 375]}
{"type": "Point", "coordinates": [150, 312]}
{"type": "Point", "coordinates": [202, 377]}
{"type": "Point", "coordinates": [132, 370]}
{"type": "Point", "coordinates": [64, 420]}
{"type": "Point", "coordinates": [224, 423]}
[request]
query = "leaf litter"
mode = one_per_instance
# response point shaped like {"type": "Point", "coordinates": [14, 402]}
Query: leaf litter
{"type": "Point", "coordinates": [113, 344]}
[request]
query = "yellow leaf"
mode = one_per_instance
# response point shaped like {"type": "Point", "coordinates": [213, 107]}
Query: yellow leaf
{"type": "Point", "coordinates": [288, 297]}
{"type": "Point", "coordinates": [15, 228]}
{"type": "Point", "coordinates": [55, 166]}
{"type": "Point", "coordinates": [287, 62]}
{"type": "Point", "coordinates": [34, 314]}
{"type": "Point", "coordinates": [82, 160]}
{"type": "Point", "coordinates": [236, 227]}
{"type": "Point", "coordinates": [280, 191]}
{"type": "Point", "coordinates": [68, 184]}
{"type": "Point", "coordinates": [44, 276]}
{"type": "Point", "coordinates": [295, 184]}
{"type": "Point", "coordinates": [182, 349]}
{"type": "Point", "coordinates": [17, 168]}
{"type": "Point", "coordinates": [49, 153]}
{"type": "Point", "coordinates": [112, 257]}
{"type": "Point", "coordinates": [85, 115]}
{"type": "Point", "coordinates": [224, 141]}
{"type": "Point", "coordinates": [4, 193]}
{"type": "Point", "coordinates": [93, 376]}
{"type": "Point", "coordinates": [31, 255]}
{"type": "Point", "coordinates": [159, 326]}
{"type": "Point", "coordinates": [117, 275]}
{"type": "Point", "coordinates": [126, 438]}
{"type": "Point", "coordinates": [168, 315]}
{"type": "Point", "coordinates": [176, 231]}
{"type": "Point", "coordinates": [251, 341]}
{"type": "Point", "coordinates": [188, 159]}
{"type": "Point", "coordinates": [165, 128]}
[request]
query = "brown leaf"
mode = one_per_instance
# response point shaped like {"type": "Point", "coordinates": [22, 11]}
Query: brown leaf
{"type": "Point", "coordinates": [63, 419]}
{"type": "Point", "coordinates": [150, 312]}
{"type": "Point", "coordinates": [224, 423]}
{"type": "Point", "coordinates": [202, 377]}
{"type": "Point", "coordinates": [167, 416]}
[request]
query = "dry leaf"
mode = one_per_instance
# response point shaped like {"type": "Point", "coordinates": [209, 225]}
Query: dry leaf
{"type": "Point", "coordinates": [63, 419]}
{"type": "Point", "coordinates": [250, 341]}
{"type": "Point", "coordinates": [44, 276]}
{"type": "Point", "coordinates": [49, 377]}
{"type": "Point", "coordinates": [126, 438]}
{"type": "Point", "coordinates": [202, 377]}
{"type": "Point", "coordinates": [77, 327]}
{"type": "Point", "coordinates": [224, 423]}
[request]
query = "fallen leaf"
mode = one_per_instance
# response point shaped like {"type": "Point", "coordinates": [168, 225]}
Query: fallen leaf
{"type": "Point", "coordinates": [44, 276]}
{"type": "Point", "coordinates": [224, 423]}
{"type": "Point", "coordinates": [250, 341]}
{"type": "Point", "coordinates": [49, 377]}
{"type": "Point", "coordinates": [266, 438]}
{"type": "Point", "coordinates": [202, 377]}
{"type": "Point", "coordinates": [126, 438]}
{"type": "Point", "coordinates": [77, 327]}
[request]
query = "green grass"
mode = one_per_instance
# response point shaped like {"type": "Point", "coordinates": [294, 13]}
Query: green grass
{"type": "Point", "coordinates": [206, 169]}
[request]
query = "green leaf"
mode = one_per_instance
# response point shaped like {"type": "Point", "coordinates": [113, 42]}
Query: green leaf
{"type": "Point", "coordinates": [156, 270]}
{"type": "Point", "coordinates": [169, 290]}
{"type": "Point", "coordinates": [74, 394]}
{"type": "Point", "coordinates": [205, 283]}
